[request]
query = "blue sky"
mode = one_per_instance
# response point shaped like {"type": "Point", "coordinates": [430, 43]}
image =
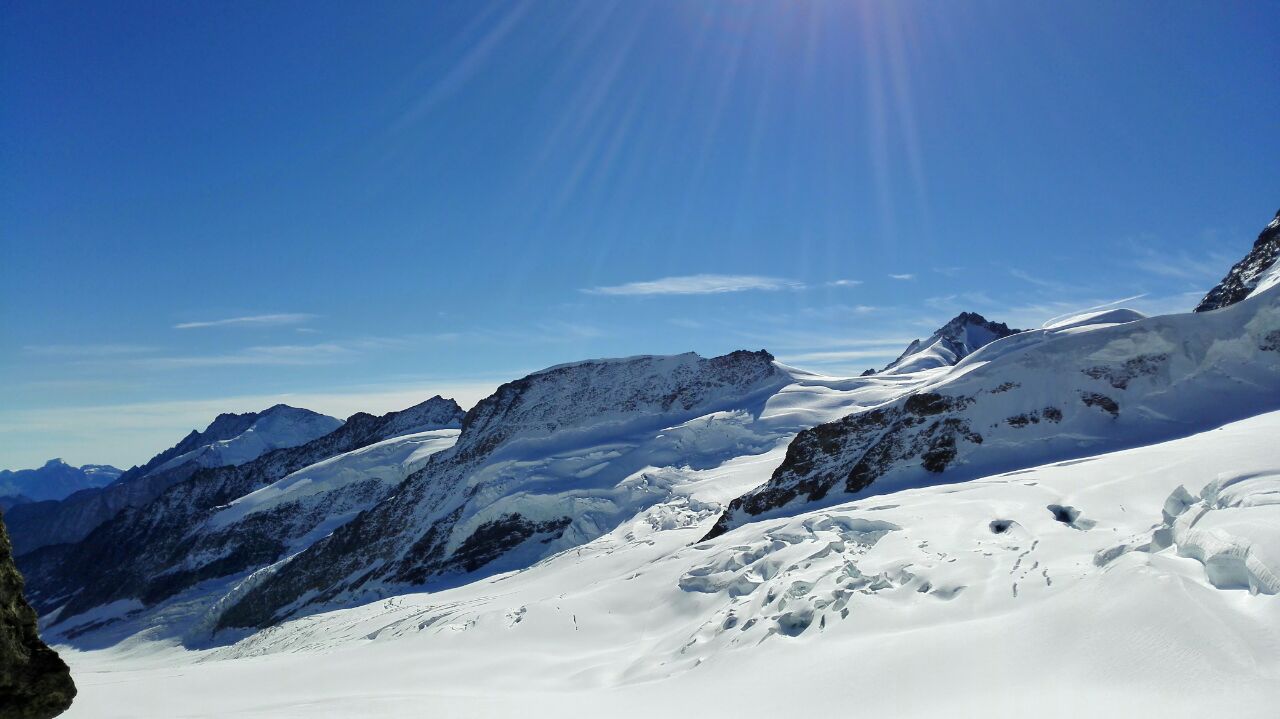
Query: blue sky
{"type": "Point", "coordinates": [210, 207]}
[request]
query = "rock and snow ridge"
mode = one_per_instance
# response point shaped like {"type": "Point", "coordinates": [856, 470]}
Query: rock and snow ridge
{"type": "Point", "coordinates": [230, 439]}
{"type": "Point", "coordinates": [156, 551]}
{"type": "Point", "coordinates": [1257, 272]}
{"type": "Point", "coordinates": [548, 461]}
{"type": "Point", "coordinates": [1037, 396]}
{"type": "Point", "coordinates": [55, 480]}
{"type": "Point", "coordinates": [962, 336]}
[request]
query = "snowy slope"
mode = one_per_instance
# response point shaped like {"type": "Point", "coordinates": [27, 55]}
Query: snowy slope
{"type": "Point", "coordinates": [386, 463]}
{"type": "Point", "coordinates": [1037, 592]}
{"type": "Point", "coordinates": [1038, 396]}
{"type": "Point", "coordinates": [230, 439]}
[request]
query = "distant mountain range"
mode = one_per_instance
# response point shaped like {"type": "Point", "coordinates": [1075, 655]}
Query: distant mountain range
{"type": "Point", "coordinates": [230, 439]}
{"type": "Point", "coordinates": [55, 480]}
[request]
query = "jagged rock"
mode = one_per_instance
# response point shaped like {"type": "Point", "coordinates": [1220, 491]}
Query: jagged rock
{"type": "Point", "coordinates": [1257, 270]}
{"type": "Point", "coordinates": [34, 681]}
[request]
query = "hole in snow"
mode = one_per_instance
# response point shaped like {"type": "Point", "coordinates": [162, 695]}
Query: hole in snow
{"type": "Point", "coordinates": [1069, 516]}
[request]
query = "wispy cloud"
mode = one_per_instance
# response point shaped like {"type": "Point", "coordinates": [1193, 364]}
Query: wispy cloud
{"type": "Point", "coordinates": [698, 285]}
{"type": "Point", "coordinates": [279, 355]}
{"type": "Point", "coordinates": [844, 283]}
{"type": "Point", "coordinates": [1182, 266]}
{"type": "Point", "coordinates": [272, 320]}
{"type": "Point", "coordinates": [86, 350]}
{"type": "Point", "coordinates": [907, 276]}
{"type": "Point", "coordinates": [832, 356]}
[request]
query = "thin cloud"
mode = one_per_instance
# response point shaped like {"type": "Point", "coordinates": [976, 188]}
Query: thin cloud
{"type": "Point", "coordinates": [844, 283]}
{"type": "Point", "coordinates": [828, 356]}
{"type": "Point", "coordinates": [274, 355]}
{"type": "Point", "coordinates": [907, 276]}
{"type": "Point", "coordinates": [88, 350]}
{"type": "Point", "coordinates": [1182, 266]}
{"type": "Point", "coordinates": [273, 320]}
{"type": "Point", "coordinates": [698, 285]}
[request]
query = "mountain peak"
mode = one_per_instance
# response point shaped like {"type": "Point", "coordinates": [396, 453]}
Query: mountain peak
{"type": "Point", "coordinates": [1259, 270]}
{"type": "Point", "coordinates": [960, 337]}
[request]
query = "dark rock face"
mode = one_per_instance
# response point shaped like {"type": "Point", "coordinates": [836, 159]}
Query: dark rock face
{"type": "Point", "coordinates": [133, 554]}
{"type": "Point", "coordinates": [34, 682]}
{"type": "Point", "coordinates": [1244, 276]}
{"type": "Point", "coordinates": [433, 526]}
{"type": "Point", "coordinates": [851, 453]}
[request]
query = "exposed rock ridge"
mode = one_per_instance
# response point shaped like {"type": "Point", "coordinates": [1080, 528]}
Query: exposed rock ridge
{"type": "Point", "coordinates": [1257, 267]}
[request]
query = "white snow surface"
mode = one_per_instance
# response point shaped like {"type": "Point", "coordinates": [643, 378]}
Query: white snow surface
{"type": "Point", "coordinates": [1045, 591]}
{"type": "Point", "coordinates": [388, 461]}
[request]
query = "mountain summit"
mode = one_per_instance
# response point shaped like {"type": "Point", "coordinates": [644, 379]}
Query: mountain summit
{"type": "Point", "coordinates": [965, 334]}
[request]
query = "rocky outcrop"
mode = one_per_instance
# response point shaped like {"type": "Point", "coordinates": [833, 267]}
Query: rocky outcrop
{"type": "Point", "coordinates": [134, 555]}
{"type": "Point", "coordinates": [1257, 268]}
{"type": "Point", "coordinates": [34, 682]}
{"type": "Point", "coordinates": [492, 500]}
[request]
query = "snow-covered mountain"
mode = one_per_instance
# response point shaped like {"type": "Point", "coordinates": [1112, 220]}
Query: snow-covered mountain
{"type": "Point", "coordinates": [1257, 272]}
{"type": "Point", "coordinates": [962, 336]}
{"type": "Point", "coordinates": [547, 462]}
{"type": "Point", "coordinates": [1095, 495]}
{"type": "Point", "coordinates": [1048, 582]}
{"type": "Point", "coordinates": [231, 439]}
{"type": "Point", "coordinates": [188, 535]}
{"type": "Point", "coordinates": [55, 480]}
{"type": "Point", "coordinates": [276, 427]}
{"type": "Point", "coordinates": [1044, 395]}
